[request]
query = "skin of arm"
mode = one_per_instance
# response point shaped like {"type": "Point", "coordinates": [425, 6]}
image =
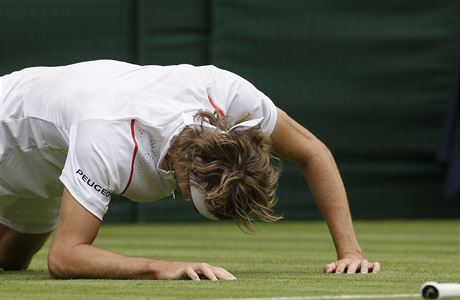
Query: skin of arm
{"type": "Point", "coordinates": [72, 256]}
{"type": "Point", "coordinates": [293, 142]}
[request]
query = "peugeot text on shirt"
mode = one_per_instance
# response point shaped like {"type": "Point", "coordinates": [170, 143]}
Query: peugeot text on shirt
{"type": "Point", "coordinates": [92, 184]}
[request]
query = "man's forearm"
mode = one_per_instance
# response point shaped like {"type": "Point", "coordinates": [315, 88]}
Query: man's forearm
{"type": "Point", "coordinates": [86, 261]}
{"type": "Point", "coordinates": [328, 190]}
{"type": "Point", "coordinates": [72, 255]}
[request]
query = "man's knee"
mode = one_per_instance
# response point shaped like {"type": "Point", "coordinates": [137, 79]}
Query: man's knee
{"type": "Point", "coordinates": [17, 249]}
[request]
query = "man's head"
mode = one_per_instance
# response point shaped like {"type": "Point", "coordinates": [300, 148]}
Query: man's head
{"type": "Point", "coordinates": [232, 170]}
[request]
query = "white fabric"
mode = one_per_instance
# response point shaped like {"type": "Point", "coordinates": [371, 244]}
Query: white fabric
{"type": "Point", "coordinates": [190, 121]}
{"type": "Point", "coordinates": [199, 201]}
{"type": "Point", "coordinates": [80, 119]}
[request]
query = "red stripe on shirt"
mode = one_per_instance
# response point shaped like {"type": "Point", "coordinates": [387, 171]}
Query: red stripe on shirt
{"type": "Point", "coordinates": [216, 108]}
{"type": "Point", "coordinates": [134, 156]}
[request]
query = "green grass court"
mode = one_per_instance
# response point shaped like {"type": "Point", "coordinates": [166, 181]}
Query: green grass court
{"type": "Point", "coordinates": [284, 260]}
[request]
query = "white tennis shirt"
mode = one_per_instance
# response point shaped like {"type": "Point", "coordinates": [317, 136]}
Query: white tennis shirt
{"type": "Point", "coordinates": [104, 127]}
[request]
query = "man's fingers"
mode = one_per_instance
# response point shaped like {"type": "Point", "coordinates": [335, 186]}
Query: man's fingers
{"type": "Point", "coordinates": [206, 271]}
{"type": "Point", "coordinates": [353, 266]}
{"type": "Point", "coordinates": [194, 271]}
{"type": "Point", "coordinates": [329, 268]}
{"type": "Point", "coordinates": [192, 274]}
{"type": "Point", "coordinates": [221, 273]}
{"type": "Point", "coordinates": [341, 265]}
{"type": "Point", "coordinates": [376, 267]}
{"type": "Point", "coordinates": [364, 266]}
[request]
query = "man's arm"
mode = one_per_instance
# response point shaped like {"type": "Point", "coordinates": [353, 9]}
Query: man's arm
{"type": "Point", "coordinates": [295, 143]}
{"type": "Point", "coordinates": [72, 255]}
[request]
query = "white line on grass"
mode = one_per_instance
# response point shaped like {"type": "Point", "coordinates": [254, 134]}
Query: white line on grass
{"type": "Point", "coordinates": [332, 297]}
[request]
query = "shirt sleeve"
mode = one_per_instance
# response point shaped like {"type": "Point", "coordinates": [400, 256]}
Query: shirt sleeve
{"type": "Point", "coordinates": [240, 99]}
{"type": "Point", "coordinates": [98, 162]}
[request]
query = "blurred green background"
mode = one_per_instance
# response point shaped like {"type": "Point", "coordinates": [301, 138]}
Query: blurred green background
{"type": "Point", "coordinates": [372, 79]}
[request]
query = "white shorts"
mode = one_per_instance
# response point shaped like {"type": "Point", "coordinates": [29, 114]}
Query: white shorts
{"type": "Point", "coordinates": [30, 190]}
{"type": "Point", "coordinates": [32, 216]}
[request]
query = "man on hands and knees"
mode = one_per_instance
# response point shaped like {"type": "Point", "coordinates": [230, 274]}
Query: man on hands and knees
{"type": "Point", "coordinates": [106, 127]}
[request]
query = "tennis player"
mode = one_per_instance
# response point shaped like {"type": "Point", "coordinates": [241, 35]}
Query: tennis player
{"type": "Point", "coordinates": [72, 136]}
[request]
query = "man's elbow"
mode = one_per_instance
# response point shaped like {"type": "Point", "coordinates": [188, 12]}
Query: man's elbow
{"type": "Point", "coordinates": [58, 265]}
{"type": "Point", "coordinates": [317, 150]}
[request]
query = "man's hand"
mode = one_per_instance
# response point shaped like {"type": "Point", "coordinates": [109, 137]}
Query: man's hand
{"type": "Point", "coordinates": [193, 271]}
{"type": "Point", "coordinates": [350, 264]}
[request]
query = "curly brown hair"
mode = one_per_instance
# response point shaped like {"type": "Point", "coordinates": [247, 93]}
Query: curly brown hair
{"type": "Point", "coordinates": [234, 170]}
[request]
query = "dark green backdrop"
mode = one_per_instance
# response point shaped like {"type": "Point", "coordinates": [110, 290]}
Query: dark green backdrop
{"type": "Point", "coordinates": [372, 79]}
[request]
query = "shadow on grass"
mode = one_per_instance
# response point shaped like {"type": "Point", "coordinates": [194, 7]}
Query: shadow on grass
{"type": "Point", "coordinates": [24, 275]}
